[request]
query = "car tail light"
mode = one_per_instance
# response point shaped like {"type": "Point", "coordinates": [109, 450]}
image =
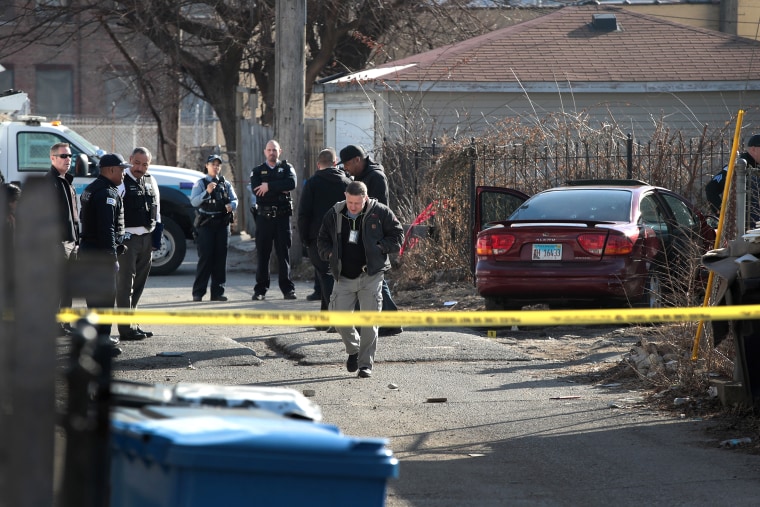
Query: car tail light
{"type": "Point", "coordinates": [598, 244]}
{"type": "Point", "coordinates": [494, 244]}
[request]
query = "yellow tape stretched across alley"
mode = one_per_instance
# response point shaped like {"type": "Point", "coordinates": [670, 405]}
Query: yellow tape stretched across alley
{"type": "Point", "coordinates": [415, 319]}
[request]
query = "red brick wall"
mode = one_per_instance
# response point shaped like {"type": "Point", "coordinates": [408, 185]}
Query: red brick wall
{"type": "Point", "coordinates": [90, 55]}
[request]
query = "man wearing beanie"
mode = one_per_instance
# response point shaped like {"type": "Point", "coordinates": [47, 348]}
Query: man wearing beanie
{"type": "Point", "coordinates": [362, 168]}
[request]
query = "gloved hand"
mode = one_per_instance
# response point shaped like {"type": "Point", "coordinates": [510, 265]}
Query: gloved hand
{"type": "Point", "coordinates": [155, 236]}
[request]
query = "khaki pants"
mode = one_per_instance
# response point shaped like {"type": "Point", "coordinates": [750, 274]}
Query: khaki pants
{"type": "Point", "coordinates": [367, 290]}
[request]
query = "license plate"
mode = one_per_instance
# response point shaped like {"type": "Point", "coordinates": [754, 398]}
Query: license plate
{"type": "Point", "coordinates": [546, 252]}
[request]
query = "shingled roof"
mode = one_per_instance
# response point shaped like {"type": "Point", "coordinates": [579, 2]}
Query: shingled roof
{"type": "Point", "coordinates": [566, 47]}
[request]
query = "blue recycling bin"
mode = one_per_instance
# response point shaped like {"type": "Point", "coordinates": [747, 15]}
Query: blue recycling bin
{"type": "Point", "coordinates": [198, 458]}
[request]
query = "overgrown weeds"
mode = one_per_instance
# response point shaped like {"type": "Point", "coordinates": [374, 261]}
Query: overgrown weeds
{"type": "Point", "coordinates": [441, 179]}
{"type": "Point", "coordinates": [438, 180]}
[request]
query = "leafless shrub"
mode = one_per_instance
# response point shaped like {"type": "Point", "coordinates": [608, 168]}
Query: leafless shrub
{"type": "Point", "coordinates": [529, 158]}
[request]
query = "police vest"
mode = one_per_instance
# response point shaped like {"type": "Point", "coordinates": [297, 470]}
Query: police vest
{"type": "Point", "coordinates": [219, 198]}
{"type": "Point", "coordinates": [140, 206]}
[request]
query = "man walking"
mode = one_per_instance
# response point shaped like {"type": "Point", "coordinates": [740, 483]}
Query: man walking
{"type": "Point", "coordinates": [362, 168]}
{"type": "Point", "coordinates": [68, 214]}
{"type": "Point", "coordinates": [140, 197]}
{"type": "Point", "coordinates": [325, 187]}
{"type": "Point", "coordinates": [271, 183]}
{"type": "Point", "coordinates": [102, 233]}
{"type": "Point", "coordinates": [356, 236]}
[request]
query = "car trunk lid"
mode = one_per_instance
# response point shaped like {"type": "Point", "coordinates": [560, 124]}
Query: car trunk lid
{"type": "Point", "coordinates": [556, 241]}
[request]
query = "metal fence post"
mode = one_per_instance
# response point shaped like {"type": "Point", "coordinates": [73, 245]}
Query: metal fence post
{"type": "Point", "coordinates": [629, 147]}
{"type": "Point", "coordinates": [473, 163]}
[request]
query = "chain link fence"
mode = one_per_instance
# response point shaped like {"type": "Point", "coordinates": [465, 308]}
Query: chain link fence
{"type": "Point", "coordinates": [196, 140]}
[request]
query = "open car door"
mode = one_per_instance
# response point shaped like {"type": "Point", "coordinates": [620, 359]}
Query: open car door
{"type": "Point", "coordinates": [493, 204]}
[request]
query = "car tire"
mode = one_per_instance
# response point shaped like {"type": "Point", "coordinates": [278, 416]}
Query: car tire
{"type": "Point", "coordinates": [173, 248]}
{"type": "Point", "coordinates": [494, 304]}
{"type": "Point", "coordinates": [499, 304]}
{"type": "Point", "coordinates": [652, 296]}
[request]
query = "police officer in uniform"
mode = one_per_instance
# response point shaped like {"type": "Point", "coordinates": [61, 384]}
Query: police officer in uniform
{"type": "Point", "coordinates": [140, 196]}
{"type": "Point", "coordinates": [102, 219]}
{"type": "Point", "coordinates": [216, 202]}
{"type": "Point", "coordinates": [271, 183]}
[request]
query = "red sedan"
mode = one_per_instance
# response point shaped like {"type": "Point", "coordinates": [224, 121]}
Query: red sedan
{"type": "Point", "coordinates": [611, 243]}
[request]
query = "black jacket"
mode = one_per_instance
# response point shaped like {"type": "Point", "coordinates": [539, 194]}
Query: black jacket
{"type": "Point", "coordinates": [66, 205]}
{"type": "Point", "coordinates": [374, 177]}
{"type": "Point", "coordinates": [714, 187]}
{"type": "Point", "coordinates": [102, 217]}
{"type": "Point", "coordinates": [323, 189]}
{"type": "Point", "coordinates": [381, 234]}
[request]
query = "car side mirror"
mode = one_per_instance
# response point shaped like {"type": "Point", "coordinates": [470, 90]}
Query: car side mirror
{"type": "Point", "coordinates": [82, 165]}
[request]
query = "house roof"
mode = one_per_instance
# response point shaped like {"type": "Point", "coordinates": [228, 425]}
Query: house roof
{"type": "Point", "coordinates": [565, 47]}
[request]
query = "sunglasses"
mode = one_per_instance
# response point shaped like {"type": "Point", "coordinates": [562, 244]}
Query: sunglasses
{"type": "Point", "coordinates": [64, 155]}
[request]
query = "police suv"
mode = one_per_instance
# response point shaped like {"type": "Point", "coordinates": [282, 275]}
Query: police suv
{"type": "Point", "coordinates": [25, 143]}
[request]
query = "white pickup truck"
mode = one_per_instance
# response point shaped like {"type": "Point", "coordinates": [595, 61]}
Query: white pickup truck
{"type": "Point", "coordinates": [25, 151]}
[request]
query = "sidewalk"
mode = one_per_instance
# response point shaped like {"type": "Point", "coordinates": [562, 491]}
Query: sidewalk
{"type": "Point", "coordinates": [243, 242]}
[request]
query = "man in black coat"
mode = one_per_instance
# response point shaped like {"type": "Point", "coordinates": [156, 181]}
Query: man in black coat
{"type": "Point", "coordinates": [362, 168]}
{"type": "Point", "coordinates": [356, 238]}
{"type": "Point", "coordinates": [320, 192]}
{"type": "Point", "coordinates": [67, 212]}
{"type": "Point", "coordinates": [715, 187]}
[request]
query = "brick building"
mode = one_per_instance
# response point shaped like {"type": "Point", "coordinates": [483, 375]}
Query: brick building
{"type": "Point", "coordinates": [73, 68]}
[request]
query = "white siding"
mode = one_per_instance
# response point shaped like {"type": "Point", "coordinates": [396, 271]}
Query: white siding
{"type": "Point", "coordinates": [424, 116]}
{"type": "Point", "coordinates": [350, 120]}
{"type": "Point", "coordinates": [443, 115]}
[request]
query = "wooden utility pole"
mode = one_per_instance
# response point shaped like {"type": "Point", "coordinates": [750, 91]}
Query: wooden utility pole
{"type": "Point", "coordinates": [290, 67]}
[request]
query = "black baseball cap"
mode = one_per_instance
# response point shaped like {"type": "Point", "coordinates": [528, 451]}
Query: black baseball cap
{"type": "Point", "coordinates": [113, 160]}
{"type": "Point", "coordinates": [754, 141]}
{"type": "Point", "coordinates": [351, 151]}
{"type": "Point", "coordinates": [213, 157]}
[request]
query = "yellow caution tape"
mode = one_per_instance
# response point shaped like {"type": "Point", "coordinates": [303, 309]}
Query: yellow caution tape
{"type": "Point", "coordinates": [415, 319]}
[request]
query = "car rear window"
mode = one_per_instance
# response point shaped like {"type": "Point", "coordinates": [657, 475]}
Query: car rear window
{"type": "Point", "coordinates": [609, 205]}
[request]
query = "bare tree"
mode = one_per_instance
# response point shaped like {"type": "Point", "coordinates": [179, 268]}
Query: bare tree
{"type": "Point", "coordinates": [211, 47]}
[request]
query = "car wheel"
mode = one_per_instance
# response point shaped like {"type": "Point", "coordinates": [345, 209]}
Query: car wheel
{"type": "Point", "coordinates": [653, 291]}
{"type": "Point", "coordinates": [173, 248]}
{"type": "Point", "coordinates": [500, 304]}
{"type": "Point", "coordinates": [494, 304]}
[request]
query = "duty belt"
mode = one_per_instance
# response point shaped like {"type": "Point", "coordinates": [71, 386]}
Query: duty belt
{"type": "Point", "coordinates": [268, 211]}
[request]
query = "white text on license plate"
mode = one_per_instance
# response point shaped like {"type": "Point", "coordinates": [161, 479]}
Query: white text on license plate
{"type": "Point", "coordinates": [547, 252]}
